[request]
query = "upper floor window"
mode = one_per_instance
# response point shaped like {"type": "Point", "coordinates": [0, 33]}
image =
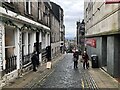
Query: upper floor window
{"type": "Point", "coordinates": [7, 1]}
{"type": "Point", "coordinates": [39, 12]}
{"type": "Point", "coordinates": [28, 6]}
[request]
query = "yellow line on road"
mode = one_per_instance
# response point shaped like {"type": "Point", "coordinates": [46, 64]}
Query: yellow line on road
{"type": "Point", "coordinates": [82, 83]}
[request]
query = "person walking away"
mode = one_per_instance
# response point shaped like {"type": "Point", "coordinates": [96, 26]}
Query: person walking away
{"type": "Point", "coordinates": [34, 60]}
{"type": "Point", "coordinates": [75, 58]}
{"type": "Point", "coordinates": [85, 60]}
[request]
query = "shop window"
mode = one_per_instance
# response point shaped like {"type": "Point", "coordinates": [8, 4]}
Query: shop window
{"type": "Point", "coordinates": [23, 44]}
{"type": "Point", "coordinates": [9, 42]}
{"type": "Point", "coordinates": [43, 40]}
{"type": "Point", "coordinates": [29, 43]}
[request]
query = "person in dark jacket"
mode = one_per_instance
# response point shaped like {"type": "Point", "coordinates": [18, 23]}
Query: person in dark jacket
{"type": "Point", "coordinates": [75, 58]}
{"type": "Point", "coordinates": [34, 60]}
{"type": "Point", "coordinates": [85, 60]}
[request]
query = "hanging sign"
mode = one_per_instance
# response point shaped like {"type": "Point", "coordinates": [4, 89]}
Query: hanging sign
{"type": "Point", "coordinates": [111, 1]}
{"type": "Point", "coordinates": [91, 42]}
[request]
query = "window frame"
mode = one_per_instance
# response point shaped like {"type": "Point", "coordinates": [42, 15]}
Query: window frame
{"type": "Point", "coordinates": [28, 7]}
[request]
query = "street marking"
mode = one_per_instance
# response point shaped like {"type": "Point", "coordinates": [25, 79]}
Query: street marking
{"type": "Point", "coordinates": [51, 72]}
{"type": "Point", "coordinates": [82, 83]}
{"type": "Point", "coordinates": [46, 75]}
{"type": "Point", "coordinates": [43, 78]}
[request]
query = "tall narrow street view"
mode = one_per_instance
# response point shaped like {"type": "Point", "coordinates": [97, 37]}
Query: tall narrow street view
{"type": "Point", "coordinates": [60, 44]}
{"type": "Point", "coordinates": [65, 76]}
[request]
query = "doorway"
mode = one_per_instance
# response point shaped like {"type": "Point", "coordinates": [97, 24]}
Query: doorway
{"type": "Point", "coordinates": [104, 53]}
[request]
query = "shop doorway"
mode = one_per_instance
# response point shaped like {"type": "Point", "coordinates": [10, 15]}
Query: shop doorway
{"type": "Point", "coordinates": [104, 53]}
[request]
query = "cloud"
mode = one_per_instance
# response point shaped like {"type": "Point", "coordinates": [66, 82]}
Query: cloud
{"type": "Point", "coordinates": [73, 12]}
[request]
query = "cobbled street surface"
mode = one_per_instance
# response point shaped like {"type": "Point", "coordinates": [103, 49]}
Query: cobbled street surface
{"type": "Point", "coordinates": [64, 75]}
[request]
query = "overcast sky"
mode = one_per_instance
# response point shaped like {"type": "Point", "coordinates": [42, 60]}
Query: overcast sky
{"type": "Point", "coordinates": [73, 11]}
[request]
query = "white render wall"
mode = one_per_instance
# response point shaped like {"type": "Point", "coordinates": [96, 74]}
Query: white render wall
{"type": "Point", "coordinates": [2, 56]}
{"type": "Point", "coordinates": [19, 21]}
{"type": "Point", "coordinates": [17, 47]}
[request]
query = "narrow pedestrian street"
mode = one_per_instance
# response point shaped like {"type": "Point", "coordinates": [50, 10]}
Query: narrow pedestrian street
{"type": "Point", "coordinates": [65, 76]}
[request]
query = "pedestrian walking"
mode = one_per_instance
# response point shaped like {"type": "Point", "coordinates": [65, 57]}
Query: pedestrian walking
{"type": "Point", "coordinates": [85, 60]}
{"type": "Point", "coordinates": [34, 60]}
{"type": "Point", "coordinates": [75, 58]}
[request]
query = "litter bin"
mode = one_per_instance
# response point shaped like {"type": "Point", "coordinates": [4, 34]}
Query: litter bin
{"type": "Point", "coordinates": [94, 61]}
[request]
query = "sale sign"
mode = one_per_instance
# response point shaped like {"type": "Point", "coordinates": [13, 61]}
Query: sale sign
{"type": "Point", "coordinates": [91, 42]}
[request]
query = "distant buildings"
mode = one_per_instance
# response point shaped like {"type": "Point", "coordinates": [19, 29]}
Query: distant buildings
{"type": "Point", "coordinates": [57, 30]}
{"type": "Point", "coordinates": [102, 27]}
{"type": "Point", "coordinates": [26, 27]}
{"type": "Point", "coordinates": [81, 35]}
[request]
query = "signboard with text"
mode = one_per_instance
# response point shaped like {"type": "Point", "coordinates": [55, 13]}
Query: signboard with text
{"type": "Point", "coordinates": [111, 1]}
{"type": "Point", "coordinates": [91, 42]}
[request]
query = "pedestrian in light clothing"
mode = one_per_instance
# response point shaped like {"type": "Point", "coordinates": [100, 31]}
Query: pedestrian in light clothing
{"type": "Point", "coordinates": [75, 58]}
{"type": "Point", "coordinates": [85, 60]}
{"type": "Point", "coordinates": [34, 60]}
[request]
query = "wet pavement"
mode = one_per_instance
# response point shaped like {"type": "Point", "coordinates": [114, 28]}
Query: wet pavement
{"type": "Point", "coordinates": [64, 75]}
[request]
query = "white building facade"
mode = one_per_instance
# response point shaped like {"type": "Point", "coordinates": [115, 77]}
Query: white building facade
{"type": "Point", "coordinates": [19, 37]}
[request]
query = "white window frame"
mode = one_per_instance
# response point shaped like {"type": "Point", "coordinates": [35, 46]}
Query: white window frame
{"type": "Point", "coordinates": [29, 43]}
{"type": "Point", "coordinates": [39, 12]}
{"type": "Point", "coordinates": [10, 46]}
{"type": "Point", "coordinates": [7, 1]}
{"type": "Point", "coordinates": [43, 40]}
{"type": "Point", "coordinates": [23, 42]}
{"type": "Point", "coordinates": [29, 8]}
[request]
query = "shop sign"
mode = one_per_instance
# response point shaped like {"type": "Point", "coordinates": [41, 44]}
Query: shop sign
{"type": "Point", "coordinates": [91, 42]}
{"type": "Point", "coordinates": [111, 1]}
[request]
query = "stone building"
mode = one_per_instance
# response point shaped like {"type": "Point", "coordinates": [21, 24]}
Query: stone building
{"type": "Point", "coordinates": [24, 28]}
{"type": "Point", "coordinates": [62, 39]}
{"type": "Point", "coordinates": [81, 35]}
{"type": "Point", "coordinates": [57, 30]}
{"type": "Point", "coordinates": [102, 29]}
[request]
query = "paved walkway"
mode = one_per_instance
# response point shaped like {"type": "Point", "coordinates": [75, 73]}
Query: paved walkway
{"type": "Point", "coordinates": [31, 78]}
{"type": "Point", "coordinates": [102, 79]}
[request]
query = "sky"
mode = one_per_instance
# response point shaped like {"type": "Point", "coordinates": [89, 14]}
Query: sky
{"type": "Point", "coordinates": [73, 12]}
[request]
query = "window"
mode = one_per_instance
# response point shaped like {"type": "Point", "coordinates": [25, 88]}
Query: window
{"type": "Point", "coordinates": [9, 42]}
{"type": "Point", "coordinates": [39, 10]}
{"type": "Point", "coordinates": [7, 1]}
{"type": "Point", "coordinates": [23, 44]}
{"type": "Point", "coordinates": [29, 43]}
{"type": "Point", "coordinates": [39, 14]}
{"type": "Point", "coordinates": [43, 40]}
{"type": "Point", "coordinates": [28, 7]}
